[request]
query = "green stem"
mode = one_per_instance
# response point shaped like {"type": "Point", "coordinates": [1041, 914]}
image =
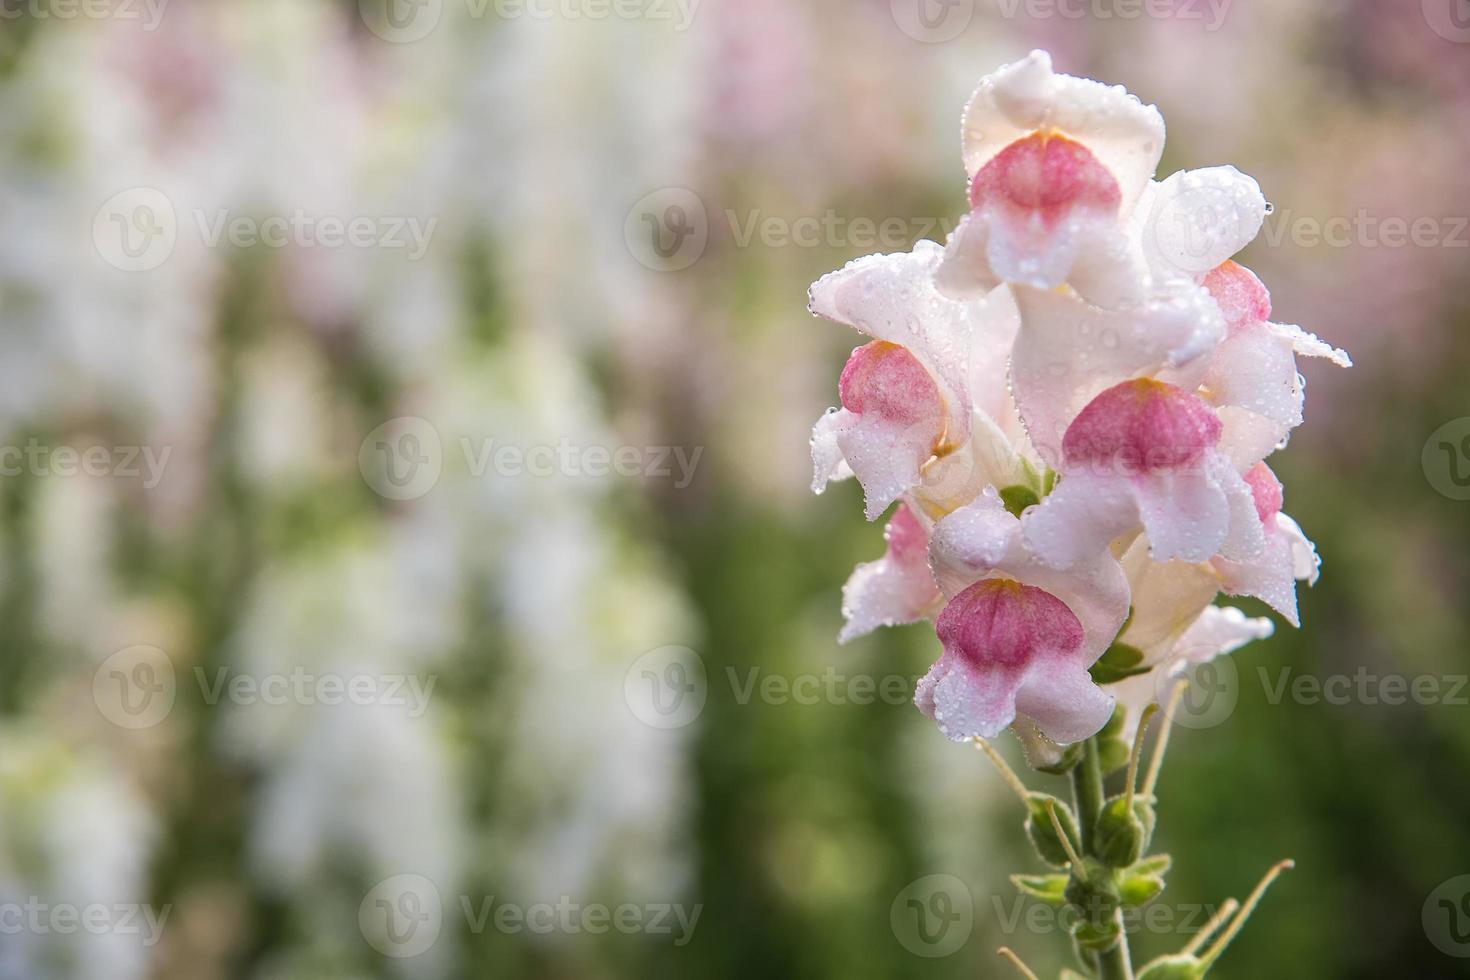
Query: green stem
{"type": "Point", "coordinates": [1087, 790]}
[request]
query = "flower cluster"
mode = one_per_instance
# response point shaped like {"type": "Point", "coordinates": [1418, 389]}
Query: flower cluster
{"type": "Point", "coordinates": [1067, 409]}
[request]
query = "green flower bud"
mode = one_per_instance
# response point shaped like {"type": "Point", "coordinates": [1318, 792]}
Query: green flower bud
{"type": "Point", "coordinates": [1123, 832]}
{"type": "Point", "coordinates": [1092, 894]}
{"type": "Point", "coordinates": [1112, 751]}
{"type": "Point", "coordinates": [1044, 836]}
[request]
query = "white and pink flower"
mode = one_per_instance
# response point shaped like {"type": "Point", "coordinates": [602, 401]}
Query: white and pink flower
{"type": "Point", "coordinates": [1072, 402]}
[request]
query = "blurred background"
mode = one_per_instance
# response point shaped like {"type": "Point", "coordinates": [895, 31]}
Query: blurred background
{"type": "Point", "coordinates": [407, 562]}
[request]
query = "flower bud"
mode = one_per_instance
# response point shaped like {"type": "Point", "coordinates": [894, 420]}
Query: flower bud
{"type": "Point", "coordinates": [1044, 836]}
{"type": "Point", "coordinates": [1122, 833]}
{"type": "Point", "coordinates": [1093, 895]}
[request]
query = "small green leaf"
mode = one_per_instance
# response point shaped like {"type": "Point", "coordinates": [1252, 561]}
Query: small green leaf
{"type": "Point", "coordinates": [1018, 498]}
{"type": "Point", "coordinates": [1119, 662]}
{"type": "Point", "coordinates": [1050, 889]}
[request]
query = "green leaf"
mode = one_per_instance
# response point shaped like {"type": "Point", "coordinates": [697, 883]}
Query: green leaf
{"type": "Point", "coordinates": [1018, 498]}
{"type": "Point", "coordinates": [1119, 662]}
{"type": "Point", "coordinates": [1050, 889]}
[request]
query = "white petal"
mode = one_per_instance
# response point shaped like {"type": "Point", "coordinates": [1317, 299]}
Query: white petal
{"type": "Point", "coordinates": [1269, 577]}
{"type": "Point", "coordinates": [1310, 345]}
{"type": "Point", "coordinates": [1200, 218]}
{"type": "Point", "coordinates": [966, 702]}
{"type": "Point", "coordinates": [1064, 701]}
{"type": "Point", "coordinates": [1167, 599]}
{"type": "Point", "coordinates": [827, 461]}
{"type": "Point", "coordinates": [1220, 630]}
{"type": "Point", "coordinates": [965, 273]}
{"type": "Point", "coordinates": [1080, 518]}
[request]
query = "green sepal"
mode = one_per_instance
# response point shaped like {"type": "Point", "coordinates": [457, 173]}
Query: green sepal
{"type": "Point", "coordinates": [1179, 966]}
{"type": "Point", "coordinates": [1050, 889]}
{"type": "Point", "coordinates": [1092, 891]}
{"type": "Point", "coordinates": [1119, 662]}
{"type": "Point", "coordinates": [1044, 836]}
{"type": "Point", "coordinates": [1122, 833]}
{"type": "Point", "coordinates": [1048, 481]}
{"type": "Point", "coordinates": [1136, 890]}
{"type": "Point", "coordinates": [1155, 865]}
{"type": "Point", "coordinates": [1018, 497]}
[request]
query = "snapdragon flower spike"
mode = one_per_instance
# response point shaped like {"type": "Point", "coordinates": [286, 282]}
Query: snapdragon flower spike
{"type": "Point", "coordinates": [905, 397]}
{"type": "Point", "coordinates": [1288, 556]}
{"type": "Point", "coordinates": [1142, 455]}
{"type": "Point", "coordinates": [1018, 636]}
{"type": "Point", "coordinates": [1055, 162]}
{"type": "Point", "coordinates": [897, 588]}
{"type": "Point", "coordinates": [1252, 375]}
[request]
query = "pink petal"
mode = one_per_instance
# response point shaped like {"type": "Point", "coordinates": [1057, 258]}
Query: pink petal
{"type": "Point", "coordinates": [1266, 491]}
{"type": "Point", "coordinates": [1005, 641]}
{"type": "Point", "coordinates": [897, 588]}
{"type": "Point", "coordinates": [1243, 298]}
{"type": "Point", "coordinates": [1140, 426]}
